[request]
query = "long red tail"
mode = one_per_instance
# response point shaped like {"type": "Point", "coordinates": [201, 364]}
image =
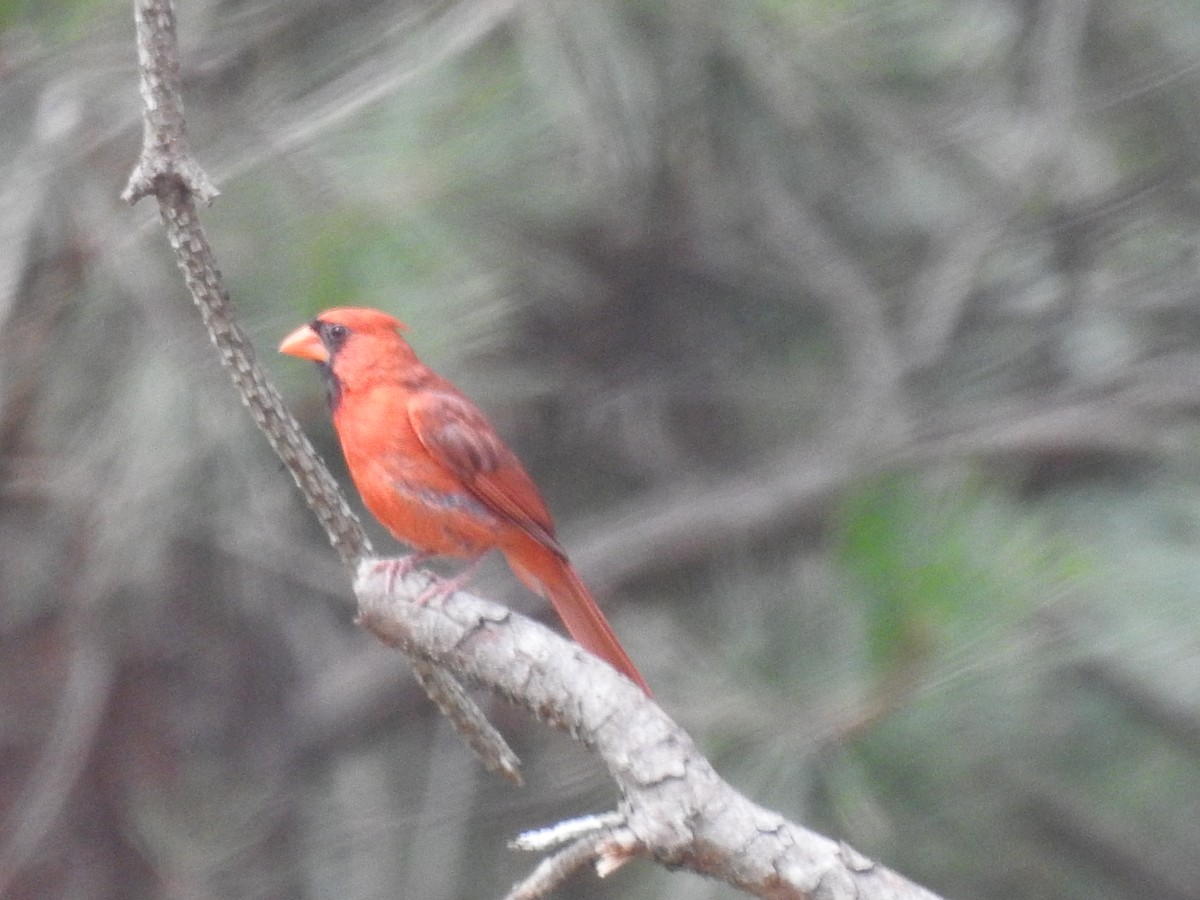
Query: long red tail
{"type": "Point", "coordinates": [552, 577]}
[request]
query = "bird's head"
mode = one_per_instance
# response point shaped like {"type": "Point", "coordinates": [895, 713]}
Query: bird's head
{"type": "Point", "coordinates": [355, 347]}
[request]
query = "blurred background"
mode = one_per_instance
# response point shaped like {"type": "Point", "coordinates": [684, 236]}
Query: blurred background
{"type": "Point", "coordinates": [855, 345]}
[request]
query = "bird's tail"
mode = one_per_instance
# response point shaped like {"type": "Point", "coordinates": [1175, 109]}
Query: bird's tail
{"type": "Point", "coordinates": [548, 574]}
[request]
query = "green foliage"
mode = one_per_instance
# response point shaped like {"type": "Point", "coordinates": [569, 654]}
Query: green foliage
{"type": "Point", "coordinates": [926, 561]}
{"type": "Point", "coordinates": [11, 13]}
{"type": "Point", "coordinates": [59, 22]}
{"type": "Point", "coordinates": [1055, 702]}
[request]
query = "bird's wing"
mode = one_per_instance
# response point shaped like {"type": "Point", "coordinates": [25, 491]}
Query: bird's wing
{"type": "Point", "coordinates": [458, 435]}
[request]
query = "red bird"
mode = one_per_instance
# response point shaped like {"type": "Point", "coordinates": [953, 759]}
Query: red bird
{"type": "Point", "coordinates": [432, 469]}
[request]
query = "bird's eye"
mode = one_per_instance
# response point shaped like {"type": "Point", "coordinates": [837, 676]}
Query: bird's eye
{"type": "Point", "coordinates": [334, 335]}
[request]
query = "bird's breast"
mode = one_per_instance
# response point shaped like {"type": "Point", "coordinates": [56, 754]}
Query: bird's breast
{"type": "Point", "coordinates": [430, 518]}
{"type": "Point", "coordinates": [414, 496]}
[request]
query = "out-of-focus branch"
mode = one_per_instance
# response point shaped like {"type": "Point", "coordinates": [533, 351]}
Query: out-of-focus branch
{"type": "Point", "coordinates": [67, 749]}
{"type": "Point", "coordinates": [167, 171]}
{"type": "Point", "coordinates": [876, 369]}
{"type": "Point", "coordinates": [676, 810]}
{"type": "Point", "coordinates": [678, 527]}
{"type": "Point", "coordinates": [1083, 830]}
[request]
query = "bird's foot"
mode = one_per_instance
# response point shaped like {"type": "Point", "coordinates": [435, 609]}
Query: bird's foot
{"type": "Point", "coordinates": [444, 587]}
{"type": "Point", "coordinates": [396, 567]}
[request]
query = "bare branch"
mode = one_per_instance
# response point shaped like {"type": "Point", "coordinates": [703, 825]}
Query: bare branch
{"type": "Point", "coordinates": [167, 170]}
{"type": "Point", "coordinates": [165, 152]}
{"type": "Point", "coordinates": [554, 871]}
{"type": "Point", "coordinates": [676, 809]}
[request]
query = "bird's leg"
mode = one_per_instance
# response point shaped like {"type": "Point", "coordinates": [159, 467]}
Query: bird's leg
{"type": "Point", "coordinates": [444, 587]}
{"type": "Point", "coordinates": [397, 567]}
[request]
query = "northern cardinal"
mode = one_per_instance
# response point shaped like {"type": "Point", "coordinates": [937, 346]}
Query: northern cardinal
{"type": "Point", "coordinates": [433, 471]}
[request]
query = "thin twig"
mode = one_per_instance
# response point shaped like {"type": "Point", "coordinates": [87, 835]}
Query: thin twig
{"type": "Point", "coordinates": [553, 871]}
{"type": "Point", "coordinates": [167, 171]}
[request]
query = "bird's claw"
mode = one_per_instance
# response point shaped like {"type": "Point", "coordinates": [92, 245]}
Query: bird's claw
{"type": "Point", "coordinates": [396, 567]}
{"type": "Point", "coordinates": [444, 587]}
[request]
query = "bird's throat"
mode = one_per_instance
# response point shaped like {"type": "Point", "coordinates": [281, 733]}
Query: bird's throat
{"type": "Point", "coordinates": [333, 387]}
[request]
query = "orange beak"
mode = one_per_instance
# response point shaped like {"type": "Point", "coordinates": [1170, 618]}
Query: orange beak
{"type": "Point", "coordinates": [305, 343]}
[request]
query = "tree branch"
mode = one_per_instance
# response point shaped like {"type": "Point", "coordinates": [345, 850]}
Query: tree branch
{"type": "Point", "coordinates": [167, 171]}
{"type": "Point", "coordinates": [676, 810]}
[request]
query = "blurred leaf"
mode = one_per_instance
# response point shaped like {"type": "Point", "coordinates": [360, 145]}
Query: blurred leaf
{"type": "Point", "coordinates": [887, 544]}
{"type": "Point", "coordinates": [59, 22]}
{"type": "Point", "coordinates": [926, 560]}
